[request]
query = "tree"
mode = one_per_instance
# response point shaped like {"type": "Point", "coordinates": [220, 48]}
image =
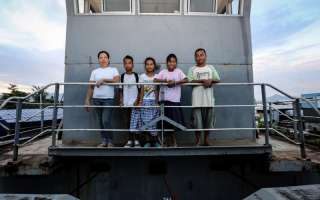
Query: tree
{"type": "Point", "coordinates": [36, 96]}
{"type": "Point", "coordinates": [14, 92]}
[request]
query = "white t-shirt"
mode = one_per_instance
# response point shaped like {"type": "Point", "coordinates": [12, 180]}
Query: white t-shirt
{"type": "Point", "coordinates": [149, 90]}
{"type": "Point", "coordinates": [130, 92]}
{"type": "Point", "coordinates": [202, 96]}
{"type": "Point", "coordinates": [104, 91]}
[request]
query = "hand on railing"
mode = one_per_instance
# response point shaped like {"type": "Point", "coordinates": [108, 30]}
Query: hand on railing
{"type": "Point", "coordinates": [87, 105]}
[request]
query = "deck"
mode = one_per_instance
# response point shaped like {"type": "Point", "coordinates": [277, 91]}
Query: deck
{"type": "Point", "coordinates": [36, 158]}
{"type": "Point", "coordinates": [222, 147]}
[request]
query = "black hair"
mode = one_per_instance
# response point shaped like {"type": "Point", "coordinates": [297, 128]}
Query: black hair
{"type": "Point", "coordinates": [128, 57]}
{"type": "Point", "coordinates": [170, 56]}
{"type": "Point", "coordinates": [152, 59]}
{"type": "Point", "coordinates": [200, 49]}
{"type": "Point", "coordinates": [101, 52]}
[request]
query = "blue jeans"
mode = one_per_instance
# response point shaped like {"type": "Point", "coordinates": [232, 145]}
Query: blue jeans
{"type": "Point", "coordinates": [104, 117]}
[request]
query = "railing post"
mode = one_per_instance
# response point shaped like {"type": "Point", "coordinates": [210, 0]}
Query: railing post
{"type": "Point", "coordinates": [295, 127]}
{"type": "Point", "coordinates": [42, 112]}
{"type": "Point", "coordinates": [300, 128]}
{"type": "Point", "coordinates": [265, 114]}
{"type": "Point", "coordinates": [270, 115]}
{"type": "Point", "coordinates": [17, 130]}
{"type": "Point", "coordinates": [55, 114]}
{"type": "Point", "coordinates": [162, 125]}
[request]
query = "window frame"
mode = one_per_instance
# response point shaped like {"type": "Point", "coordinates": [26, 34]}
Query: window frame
{"type": "Point", "coordinates": [184, 10]}
{"type": "Point", "coordinates": [174, 14]}
{"type": "Point", "coordinates": [187, 10]}
{"type": "Point", "coordinates": [240, 9]}
{"type": "Point", "coordinates": [131, 12]}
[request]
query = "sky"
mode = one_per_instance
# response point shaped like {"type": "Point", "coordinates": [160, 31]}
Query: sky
{"type": "Point", "coordinates": [285, 39]}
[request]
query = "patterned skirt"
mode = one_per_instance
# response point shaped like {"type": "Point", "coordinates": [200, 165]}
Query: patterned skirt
{"type": "Point", "coordinates": [142, 116]}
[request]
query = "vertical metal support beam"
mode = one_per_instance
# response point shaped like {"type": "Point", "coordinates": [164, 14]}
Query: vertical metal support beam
{"type": "Point", "coordinates": [300, 128]}
{"type": "Point", "coordinates": [55, 114]}
{"type": "Point", "coordinates": [265, 114]}
{"type": "Point", "coordinates": [295, 126]}
{"type": "Point", "coordinates": [86, 6]}
{"type": "Point", "coordinates": [270, 115]}
{"type": "Point", "coordinates": [240, 8]}
{"type": "Point", "coordinates": [17, 130]}
{"type": "Point", "coordinates": [42, 112]}
{"type": "Point", "coordinates": [162, 125]}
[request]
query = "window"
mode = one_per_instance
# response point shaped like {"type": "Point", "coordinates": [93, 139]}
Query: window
{"type": "Point", "coordinates": [229, 7]}
{"type": "Point", "coordinates": [236, 7]}
{"type": "Point", "coordinates": [202, 6]}
{"type": "Point", "coordinates": [80, 6]}
{"type": "Point", "coordinates": [160, 6]}
{"type": "Point", "coordinates": [117, 6]}
{"type": "Point", "coordinates": [104, 6]}
{"type": "Point", "coordinates": [223, 6]}
{"type": "Point", "coordinates": [88, 6]}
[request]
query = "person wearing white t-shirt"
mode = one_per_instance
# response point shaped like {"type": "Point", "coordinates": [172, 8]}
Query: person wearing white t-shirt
{"type": "Point", "coordinates": [203, 96]}
{"type": "Point", "coordinates": [149, 96]}
{"type": "Point", "coordinates": [129, 96]}
{"type": "Point", "coordinates": [103, 95]}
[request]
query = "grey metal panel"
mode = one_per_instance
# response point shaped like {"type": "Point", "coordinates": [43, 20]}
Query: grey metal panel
{"type": "Point", "coordinates": [226, 39]}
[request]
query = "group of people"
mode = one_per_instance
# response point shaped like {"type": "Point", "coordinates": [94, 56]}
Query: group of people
{"type": "Point", "coordinates": [146, 97]}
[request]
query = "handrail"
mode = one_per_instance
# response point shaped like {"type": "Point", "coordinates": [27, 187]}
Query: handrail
{"type": "Point", "coordinates": [148, 130]}
{"type": "Point", "coordinates": [311, 104]}
{"type": "Point", "coordinates": [157, 106]}
{"type": "Point", "coordinates": [315, 135]}
{"type": "Point", "coordinates": [118, 84]}
{"type": "Point", "coordinates": [311, 117]}
{"type": "Point", "coordinates": [27, 96]}
{"type": "Point", "coordinates": [280, 91]}
{"type": "Point", "coordinates": [282, 113]}
{"type": "Point", "coordinates": [286, 137]}
{"type": "Point", "coordinates": [34, 137]}
{"type": "Point", "coordinates": [4, 126]}
{"type": "Point", "coordinates": [27, 103]}
{"type": "Point", "coordinates": [56, 105]}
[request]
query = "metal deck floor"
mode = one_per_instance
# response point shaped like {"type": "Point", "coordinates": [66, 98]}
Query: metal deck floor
{"type": "Point", "coordinates": [157, 152]}
{"type": "Point", "coordinates": [219, 147]}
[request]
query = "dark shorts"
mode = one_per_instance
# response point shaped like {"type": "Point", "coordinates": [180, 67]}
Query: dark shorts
{"type": "Point", "coordinates": [173, 113]}
{"type": "Point", "coordinates": [203, 118]}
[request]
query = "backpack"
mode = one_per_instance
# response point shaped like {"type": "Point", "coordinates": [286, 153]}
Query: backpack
{"type": "Point", "coordinates": [135, 75]}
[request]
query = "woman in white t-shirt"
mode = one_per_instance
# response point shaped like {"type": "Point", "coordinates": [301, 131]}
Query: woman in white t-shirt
{"type": "Point", "coordinates": [103, 95]}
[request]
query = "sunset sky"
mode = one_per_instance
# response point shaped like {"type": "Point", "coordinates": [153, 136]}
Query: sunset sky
{"type": "Point", "coordinates": [285, 34]}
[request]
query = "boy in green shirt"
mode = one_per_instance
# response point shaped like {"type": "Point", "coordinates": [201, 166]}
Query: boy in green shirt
{"type": "Point", "coordinates": [203, 96]}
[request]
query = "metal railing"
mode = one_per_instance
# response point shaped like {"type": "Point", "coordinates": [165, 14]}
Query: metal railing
{"type": "Point", "coordinates": [56, 105]}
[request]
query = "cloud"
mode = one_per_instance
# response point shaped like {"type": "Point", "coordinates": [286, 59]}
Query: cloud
{"type": "Point", "coordinates": [286, 43]}
{"type": "Point", "coordinates": [4, 87]}
{"type": "Point", "coordinates": [23, 66]}
{"type": "Point", "coordinates": [32, 25]}
{"type": "Point", "coordinates": [293, 64]}
{"type": "Point", "coordinates": [275, 20]}
{"type": "Point", "coordinates": [32, 41]}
